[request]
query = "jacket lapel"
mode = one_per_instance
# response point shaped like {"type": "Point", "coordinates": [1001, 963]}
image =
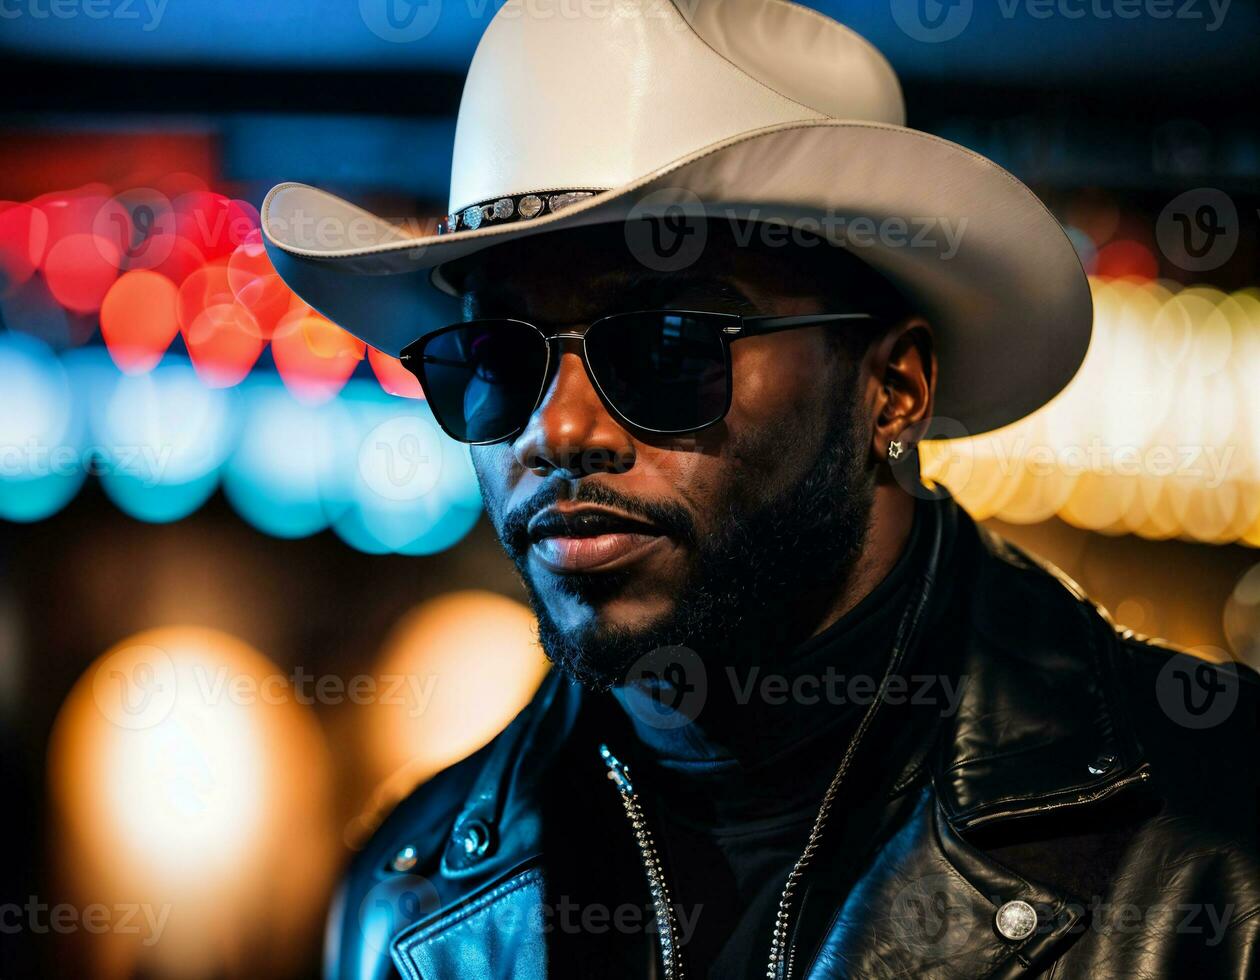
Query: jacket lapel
{"type": "Point", "coordinates": [928, 907]}
{"type": "Point", "coordinates": [1040, 729]}
{"type": "Point", "coordinates": [499, 934]}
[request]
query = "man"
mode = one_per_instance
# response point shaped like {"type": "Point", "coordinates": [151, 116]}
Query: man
{"type": "Point", "coordinates": [809, 720]}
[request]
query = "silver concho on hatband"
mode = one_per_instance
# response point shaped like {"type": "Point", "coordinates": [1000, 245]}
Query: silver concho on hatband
{"type": "Point", "coordinates": [514, 207]}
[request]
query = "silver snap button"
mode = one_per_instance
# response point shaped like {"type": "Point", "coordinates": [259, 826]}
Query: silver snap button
{"type": "Point", "coordinates": [476, 839]}
{"type": "Point", "coordinates": [405, 859]}
{"type": "Point", "coordinates": [1016, 920]}
{"type": "Point", "coordinates": [1102, 764]}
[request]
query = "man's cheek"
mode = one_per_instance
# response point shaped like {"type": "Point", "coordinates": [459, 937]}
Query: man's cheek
{"type": "Point", "coordinates": [490, 464]}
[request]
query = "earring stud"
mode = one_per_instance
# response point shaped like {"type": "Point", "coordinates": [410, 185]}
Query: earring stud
{"type": "Point", "coordinates": [895, 449]}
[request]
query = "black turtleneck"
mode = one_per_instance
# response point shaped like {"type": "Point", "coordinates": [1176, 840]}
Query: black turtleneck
{"type": "Point", "coordinates": [736, 791]}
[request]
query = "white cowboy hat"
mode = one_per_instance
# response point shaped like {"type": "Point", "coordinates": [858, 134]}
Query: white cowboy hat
{"type": "Point", "coordinates": [751, 109]}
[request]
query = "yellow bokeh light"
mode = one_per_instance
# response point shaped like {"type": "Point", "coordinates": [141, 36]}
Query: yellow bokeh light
{"type": "Point", "coordinates": [184, 776]}
{"type": "Point", "coordinates": [1157, 435]}
{"type": "Point", "coordinates": [456, 670]}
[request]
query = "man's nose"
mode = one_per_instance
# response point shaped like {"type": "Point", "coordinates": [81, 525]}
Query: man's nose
{"type": "Point", "coordinates": [571, 434]}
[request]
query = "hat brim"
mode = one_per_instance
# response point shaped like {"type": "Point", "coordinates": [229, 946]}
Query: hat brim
{"type": "Point", "coordinates": [967, 243]}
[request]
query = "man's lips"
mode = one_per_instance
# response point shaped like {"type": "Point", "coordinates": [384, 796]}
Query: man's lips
{"type": "Point", "coordinates": [587, 539]}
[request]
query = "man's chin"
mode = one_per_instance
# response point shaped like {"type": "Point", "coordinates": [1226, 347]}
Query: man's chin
{"type": "Point", "coordinates": [600, 650]}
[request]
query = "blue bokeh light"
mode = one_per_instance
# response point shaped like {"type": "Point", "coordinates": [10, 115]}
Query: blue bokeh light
{"type": "Point", "coordinates": [283, 476]}
{"type": "Point", "coordinates": [42, 460]}
{"type": "Point", "coordinates": [162, 438]}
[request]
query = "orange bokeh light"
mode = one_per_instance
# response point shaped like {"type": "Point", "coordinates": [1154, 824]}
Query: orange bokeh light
{"type": "Point", "coordinates": [138, 319]}
{"type": "Point", "coordinates": [187, 777]}
{"type": "Point", "coordinates": [393, 377]}
{"type": "Point", "coordinates": [314, 356]}
{"type": "Point", "coordinates": [257, 287]}
{"type": "Point", "coordinates": [223, 344]}
{"type": "Point", "coordinates": [207, 286]}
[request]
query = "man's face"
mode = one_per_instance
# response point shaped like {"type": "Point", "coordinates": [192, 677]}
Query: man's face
{"type": "Point", "coordinates": [627, 541]}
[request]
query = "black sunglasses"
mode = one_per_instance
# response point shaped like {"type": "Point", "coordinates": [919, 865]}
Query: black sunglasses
{"type": "Point", "coordinates": [665, 372]}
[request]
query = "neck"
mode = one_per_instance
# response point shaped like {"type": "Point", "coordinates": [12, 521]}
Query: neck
{"type": "Point", "coordinates": [892, 517]}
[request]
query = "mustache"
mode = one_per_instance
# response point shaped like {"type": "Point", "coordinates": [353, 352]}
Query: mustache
{"type": "Point", "coordinates": [673, 519]}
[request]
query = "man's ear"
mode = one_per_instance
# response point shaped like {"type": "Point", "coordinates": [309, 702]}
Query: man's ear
{"type": "Point", "coordinates": [902, 368]}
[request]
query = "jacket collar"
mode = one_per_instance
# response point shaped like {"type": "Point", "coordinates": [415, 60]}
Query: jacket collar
{"type": "Point", "coordinates": [1042, 723]}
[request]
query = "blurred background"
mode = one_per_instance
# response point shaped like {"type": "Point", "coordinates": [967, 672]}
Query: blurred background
{"type": "Point", "coordinates": [247, 597]}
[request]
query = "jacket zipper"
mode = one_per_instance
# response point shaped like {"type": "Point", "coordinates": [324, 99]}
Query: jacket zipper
{"type": "Point", "coordinates": [662, 906]}
{"type": "Point", "coordinates": [781, 957]}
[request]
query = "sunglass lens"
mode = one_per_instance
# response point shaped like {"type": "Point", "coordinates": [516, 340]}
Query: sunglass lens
{"type": "Point", "coordinates": [483, 378]}
{"type": "Point", "coordinates": [663, 371]}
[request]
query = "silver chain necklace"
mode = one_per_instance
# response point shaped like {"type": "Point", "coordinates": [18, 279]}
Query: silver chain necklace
{"type": "Point", "coordinates": [781, 960]}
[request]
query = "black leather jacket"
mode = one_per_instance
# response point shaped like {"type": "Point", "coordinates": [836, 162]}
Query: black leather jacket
{"type": "Point", "coordinates": [1108, 782]}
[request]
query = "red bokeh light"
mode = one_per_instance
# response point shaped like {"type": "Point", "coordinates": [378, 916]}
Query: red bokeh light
{"type": "Point", "coordinates": [80, 269]}
{"type": "Point", "coordinates": [1125, 257]}
{"type": "Point", "coordinates": [174, 257]}
{"type": "Point", "coordinates": [213, 222]}
{"type": "Point", "coordinates": [87, 211]}
{"type": "Point", "coordinates": [23, 241]}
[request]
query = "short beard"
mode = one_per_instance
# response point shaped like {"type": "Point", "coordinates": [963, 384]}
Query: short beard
{"type": "Point", "coordinates": [743, 599]}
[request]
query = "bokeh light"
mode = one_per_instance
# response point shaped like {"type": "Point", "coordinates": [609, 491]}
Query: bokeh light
{"type": "Point", "coordinates": [164, 436]}
{"type": "Point", "coordinates": [394, 378]}
{"type": "Point", "coordinates": [257, 287]}
{"type": "Point", "coordinates": [463, 665]}
{"type": "Point", "coordinates": [314, 356]}
{"type": "Point", "coordinates": [80, 269]}
{"type": "Point", "coordinates": [1158, 434]}
{"type": "Point", "coordinates": [186, 776]}
{"type": "Point", "coordinates": [23, 240]}
{"type": "Point", "coordinates": [412, 489]}
{"type": "Point", "coordinates": [41, 464]}
{"type": "Point", "coordinates": [284, 476]}
{"type": "Point", "coordinates": [139, 320]}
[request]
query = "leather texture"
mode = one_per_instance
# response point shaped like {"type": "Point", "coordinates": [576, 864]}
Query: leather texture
{"type": "Point", "coordinates": [747, 110]}
{"type": "Point", "coordinates": [1066, 780]}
